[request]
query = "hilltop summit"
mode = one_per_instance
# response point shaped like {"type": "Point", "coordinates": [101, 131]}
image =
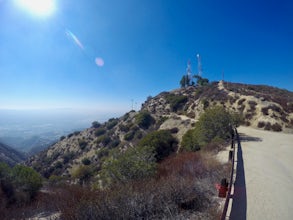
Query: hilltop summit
{"type": "Point", "coordinates": [262, 107]}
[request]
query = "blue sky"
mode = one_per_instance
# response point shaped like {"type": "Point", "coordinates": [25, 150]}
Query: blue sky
{"type": "Point", "coordinates": [49, 61]}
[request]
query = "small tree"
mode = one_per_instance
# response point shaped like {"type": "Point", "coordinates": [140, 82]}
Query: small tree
{"type": "Point", "coordinates": [185, 81]}
{"type": "Point", "coordinates": [201, 81]}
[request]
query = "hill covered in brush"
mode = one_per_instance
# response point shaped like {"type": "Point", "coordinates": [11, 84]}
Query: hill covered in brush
{"type": "Point", "coordinates": [176, 112]}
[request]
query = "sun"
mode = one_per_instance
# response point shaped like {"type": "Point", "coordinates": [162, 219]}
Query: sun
{"type": "Point", "coordinates": [37, 7]}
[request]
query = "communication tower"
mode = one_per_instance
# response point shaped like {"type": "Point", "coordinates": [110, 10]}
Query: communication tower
{"type": "Point", "coordinates": [188, 72]}
{"type": "Point", "coordinates": [199, 67]}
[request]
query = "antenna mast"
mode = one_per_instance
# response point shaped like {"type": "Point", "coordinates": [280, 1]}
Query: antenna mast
{"type": "Point", "coordinates": [199, 67]}
{"type": "Point", "coordinates": [188, 72]}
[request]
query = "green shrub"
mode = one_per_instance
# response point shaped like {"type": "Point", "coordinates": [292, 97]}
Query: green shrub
{"type": "Point", "coordinates": [138, 134]}
{"type": "Point", "coordinates": [124, 128]}
{"type": "Point", "coordinates": [214, 123]}
{"type": "Point", "coordinates": [161, 142]}
{"type": "Point", "coordinates": [83, 174]}
{"type": "Point", "coordinates": [176, 101]}
{"type": "Point", "coordinates": [112, 123]}
{"type": "Point", "coordinates": [135, 163]}
{"type": "Point", "coordinates": [114, 143]}
{"type": "Point", "coordinates": [96, 124]}
{"type": "Point", "coordinates": [100, 131]}
{"type": "Point", "coordinates": [24, 182]}
{"type": "Point", "coordinates": [67, 157]}
{"type": "Point", "coordinates": [144, 119]}
{"type": "Point", "coordinates": [129, 136]}
{"type": "Point", "coordinates": [104, 139]}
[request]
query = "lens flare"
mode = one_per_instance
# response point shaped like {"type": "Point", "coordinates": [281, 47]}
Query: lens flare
{"type": "Point", "coordinates": [99, 61]}
{"type": "Point", "coordinates": [71, 36]}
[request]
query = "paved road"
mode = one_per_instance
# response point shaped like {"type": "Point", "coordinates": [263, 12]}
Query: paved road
{"type": "Point", "coordinates": [263, 187]}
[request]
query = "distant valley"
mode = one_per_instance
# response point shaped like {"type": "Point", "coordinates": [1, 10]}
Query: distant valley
{"type": "Point", "coordinates": [30, 131]}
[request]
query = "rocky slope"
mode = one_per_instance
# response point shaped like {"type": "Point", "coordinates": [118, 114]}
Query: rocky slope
{"type": "Point", "coordinates": [178, 110]}
{"type": "Point", "coordinates": [9, 155]}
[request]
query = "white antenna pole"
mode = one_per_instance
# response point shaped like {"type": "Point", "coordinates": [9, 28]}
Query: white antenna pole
{"type": "Point", "coordinates": [199, 67]}
{"type": "Point", "coordinates": [188, 71]}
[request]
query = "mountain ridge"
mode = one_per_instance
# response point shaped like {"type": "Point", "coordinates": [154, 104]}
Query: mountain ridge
{"type": "Point", "coordinates": [262, 107]}
{"type": "Point", "coordinates": [10, 156]}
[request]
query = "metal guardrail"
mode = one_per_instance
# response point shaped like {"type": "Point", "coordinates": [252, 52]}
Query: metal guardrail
{"type": "Point", "coordinates": [224, 213]}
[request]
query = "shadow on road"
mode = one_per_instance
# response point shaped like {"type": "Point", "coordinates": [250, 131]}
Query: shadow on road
{"type": "Point", "coordinates": [246, 138]}
{"type": "Point", "coordinates": [239, 205]}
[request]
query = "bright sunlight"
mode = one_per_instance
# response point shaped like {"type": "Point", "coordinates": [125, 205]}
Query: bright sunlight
{"type": "Point", "coordinates": [37, 7]}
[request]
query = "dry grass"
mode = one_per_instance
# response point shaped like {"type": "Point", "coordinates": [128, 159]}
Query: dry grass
{"type": "Point", "coordinates": [183, 188]}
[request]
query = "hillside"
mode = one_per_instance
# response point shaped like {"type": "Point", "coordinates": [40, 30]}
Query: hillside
{"type": "Point", "coordinates": [9, 155]}
{"type": "Point", "coordinates": [262, 107]}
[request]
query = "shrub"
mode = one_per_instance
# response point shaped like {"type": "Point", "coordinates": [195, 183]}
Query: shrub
{"type": "Point", "coordinates": [96, 124]}
{"type": "Point", "coordinates": [135, 163]}
{"type": "Point", "coordinates": [100, 131]}
{"type": "Point", "coordinates": [82, 144]}
{"type": "Point", "coordinates": [189, 141]}
{"type": "Point", "coordinates": [241, 101]}
{"type": "Point", "coordinates": [265, 110]}
{"type": "Point", "coordinates": [161, 142]}
{"type": "Point", "coordinates": [114, 143]}
{"type": "Point", "coordinates": [205, 103]}
{"type": "Point", "coordinates": [112, 123]}
{"type": "Point", "coordinates": [19, 184]}
{"type": "Point", "coordinates": [144, 119]}
{"type": "Point", "coordinates": [124, 128]}
{"type": "Point", "coordinates": [214, 123]}
{"type": "Point", "coordinates": [276, 127]}
{"type": "Point", "coordinates": [67, 157]}
{"type": "Point", "coordinates": [261, 124]}
{"type": "Point", "coordinates": [174, 130]}
{"type": "Point", "coordinates": [86, 161]}
{"type": "Point", "coordinates": [176, 101]}
{"type": "Point", "coordinates": [76, 133]}
{"type": "Point", "coordinates": [129, 136]}
{"type": "Point", "coordinates": [70, 135]}
{"type": "Point", "coordinates": [83, 174]}
{"type": "Point", "coordinates": [268, 126]}
{"type": "Point", "coordinates": [104, 139]}
{"type": "Point", "coordinates": [138, 134]}
{"type": "Point", "coordinates": [103, 152]}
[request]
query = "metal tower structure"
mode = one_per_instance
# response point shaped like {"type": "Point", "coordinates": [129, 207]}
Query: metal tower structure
{"type": "Point", "coordinates": [199, 67]}
{"type": "Point", "coordinates": [188, 72]}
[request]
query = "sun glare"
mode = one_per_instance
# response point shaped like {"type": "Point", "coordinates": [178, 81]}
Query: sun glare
{"type": "Point", "coordinates": [37, 7]}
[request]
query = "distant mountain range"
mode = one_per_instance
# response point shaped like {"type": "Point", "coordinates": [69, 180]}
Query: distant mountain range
{"type": "Point", "coordinates": [10, 156]}
{"type": "Point", "coordinates": [262, 107]}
